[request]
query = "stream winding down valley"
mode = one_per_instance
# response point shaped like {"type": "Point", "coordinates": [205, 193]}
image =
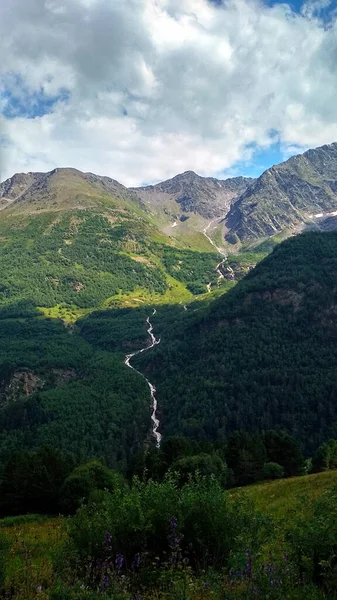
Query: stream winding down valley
{"type": "Point", "coordinates": [219, 265]}
{"type": "Point", "coordinates": [155, 341]}
{"type": "Point", "coordinates": [154, 404]}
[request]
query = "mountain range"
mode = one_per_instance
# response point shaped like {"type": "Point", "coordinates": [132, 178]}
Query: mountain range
{"type": "Point", "coordinates": [87, 265]}
{"type": "Point", "coordinates": [297, 194]}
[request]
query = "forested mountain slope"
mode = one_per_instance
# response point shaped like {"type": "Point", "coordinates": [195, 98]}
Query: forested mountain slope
{"type": "Point", "coordinates": [72, 243]}
{"type": "Point", "coordinates": [88, 242]}
{"type": "Point", "coordinates": [262, 356]}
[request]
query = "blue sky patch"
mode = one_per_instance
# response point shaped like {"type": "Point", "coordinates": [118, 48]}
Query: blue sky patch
{"type": "Point", "coordinates": [296, 5]}
{"type": "Point", "coordinates": [30, 105]}
{"type": "Point", "coordinates": [262, 159]}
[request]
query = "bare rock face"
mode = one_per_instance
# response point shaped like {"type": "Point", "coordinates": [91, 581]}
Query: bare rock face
{"type": "Point", "coordinates": [23, 383]}
{"type": "Point", "coordinates": [286, 196]}
{"type": "Point", "coordinates": [206, 196]}
{"type": "Point", "coordinates": [15, 186]}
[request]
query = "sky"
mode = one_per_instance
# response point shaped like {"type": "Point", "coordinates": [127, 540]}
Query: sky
{"type": "Point", "coordinates": [141, 90]}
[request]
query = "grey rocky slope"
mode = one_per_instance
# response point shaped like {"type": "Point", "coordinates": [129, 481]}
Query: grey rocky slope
{"type": "Point", "coordinates": [287, 195]}
{"type": "Point", "coordinates": [190, 193]}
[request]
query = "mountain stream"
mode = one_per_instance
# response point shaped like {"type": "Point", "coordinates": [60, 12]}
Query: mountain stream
{"type": "Point", "coordinates": [154, 404]}
{"type": "Point", "coordinates": [222, 262]}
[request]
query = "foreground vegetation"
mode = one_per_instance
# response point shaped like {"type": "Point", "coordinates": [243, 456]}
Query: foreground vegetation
{"type": "Point", "coordinates": [166, 541]}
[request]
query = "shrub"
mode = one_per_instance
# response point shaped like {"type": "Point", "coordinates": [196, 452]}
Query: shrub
{"type": "Point", "coordinates": [201, 517]}
{"type": "Point", "coordinates": [84, 481]}
{"type": "Point", "coordinates": [204, 465]}
{"type": "Point", "coordinates": [272, 470]}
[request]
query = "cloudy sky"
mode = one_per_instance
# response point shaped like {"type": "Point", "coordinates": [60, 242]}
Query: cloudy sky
{"type": "Point", "coordinates": [143, 89]}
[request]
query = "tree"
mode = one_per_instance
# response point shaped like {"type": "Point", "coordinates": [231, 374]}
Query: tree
{"type": "Point", "coordinates": [245, 455]}
{"type": "Point", "coordinates": [326, 457]}
{"type": "Point", "coordinates": [32, 481]}
{"type": "Point", "coordinates": [283, 449]}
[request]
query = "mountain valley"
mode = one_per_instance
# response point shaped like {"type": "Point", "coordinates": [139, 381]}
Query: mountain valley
{"type": "Point", "coordinates": [158, 346]}
{"type": "Point", "coordinates": [83, 261]}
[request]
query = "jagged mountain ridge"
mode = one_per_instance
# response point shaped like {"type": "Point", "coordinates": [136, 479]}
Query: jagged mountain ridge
{"type": "Point", "coordinates": [61, 187]}
{"type": "Point", "coordinates": [298, 193]}
{"type": "Point", "coordinates": [207, 196]}
{"type": "Point", "coordinates": [191, 193]}
{"type": "Point", "coordinates": [287, 195]}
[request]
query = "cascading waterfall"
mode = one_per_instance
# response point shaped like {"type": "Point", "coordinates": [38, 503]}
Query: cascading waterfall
{"type": "Point", "coordinates": [154, 404]}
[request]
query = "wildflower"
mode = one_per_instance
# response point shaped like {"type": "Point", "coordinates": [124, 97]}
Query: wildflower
{"type": "Point", "coordinates": [108, 540]}
{"type": "Point", "coordinates": [105, 582]}
{"type": "Point", "coordinates": [119, 561]}
{"type": "Point", "coordinates": [249, 565]}
{"type": "Point", "coordinates": [136, 561]}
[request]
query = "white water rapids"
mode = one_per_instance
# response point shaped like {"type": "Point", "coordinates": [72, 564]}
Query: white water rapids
{"type": "Point", "coordinates": [154, 405]}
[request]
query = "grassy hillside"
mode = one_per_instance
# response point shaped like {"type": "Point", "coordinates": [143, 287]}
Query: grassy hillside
{"type": "Point", "coordinates": [287, 499]}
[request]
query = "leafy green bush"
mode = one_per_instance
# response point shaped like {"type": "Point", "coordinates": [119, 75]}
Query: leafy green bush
{"type": "Point", "coordinates": [313, 542]}
{"type": "Point", "coordinates": [202, 465]}
{"type": "Point", "coordinates": [273, 470]}
{"type": "Point", "coordinates": [200, 518]}
{"type": "Point", "coordinates": [84, 480]}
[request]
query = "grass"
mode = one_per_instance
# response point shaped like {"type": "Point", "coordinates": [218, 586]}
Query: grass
{"type": "Point", "coordinates": [34, 541]}
{"type": "Point", "coordinates": [285, 499]}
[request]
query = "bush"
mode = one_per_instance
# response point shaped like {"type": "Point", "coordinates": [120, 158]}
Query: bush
{"type": "Point", "coordinates": [314, 544]}
{"type": "Point", "coordinates": [199, 521]}
{"type": "Point", "coordinates": [84, 481]}
{"type": "Point", "coordinates": [273, 470]}
{"type": "Point", "coordinates": [204, 465]}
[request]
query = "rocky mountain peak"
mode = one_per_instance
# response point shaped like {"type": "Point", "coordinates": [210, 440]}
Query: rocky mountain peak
{"type": "Point", "coordinates": [286, 196]}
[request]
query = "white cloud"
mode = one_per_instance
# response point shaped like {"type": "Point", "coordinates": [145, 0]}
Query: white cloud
{"type": "Point", "coordinates": [161, 86]}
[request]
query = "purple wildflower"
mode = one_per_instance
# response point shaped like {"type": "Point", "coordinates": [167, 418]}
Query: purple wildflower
{"type": "Point", "coordinates": [174, 539]}
{"type": "Point", "coordinates": [136, 561]}
{"type": "Point", "coordinates": [119, 561]}
{"type": "Point", "coordinates": [249, 564]}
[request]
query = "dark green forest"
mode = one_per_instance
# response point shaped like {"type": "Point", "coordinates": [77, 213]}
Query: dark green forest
{"type": "Point", "coordinates": [263, 355]}
{"type": "Point", "coordinates": [57, 389]}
